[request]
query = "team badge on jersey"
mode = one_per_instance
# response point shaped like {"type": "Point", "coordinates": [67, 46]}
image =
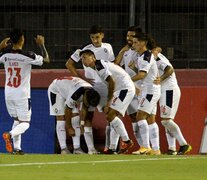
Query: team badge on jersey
{"type": "Point", "coordinates": [56, 110]}
{"type": "Point", "coordinates": [105, 50]}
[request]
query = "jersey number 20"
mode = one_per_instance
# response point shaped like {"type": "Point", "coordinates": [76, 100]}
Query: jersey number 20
{"type": "Point", "coordinates": [14, 78]}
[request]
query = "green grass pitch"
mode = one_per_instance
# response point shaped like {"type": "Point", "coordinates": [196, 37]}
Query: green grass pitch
{"type": "Point", "coordinates": [127, 167]}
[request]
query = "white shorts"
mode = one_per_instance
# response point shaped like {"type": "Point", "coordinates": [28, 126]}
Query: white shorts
{"type": "Point", "coordinates": [20, 109]}
{"type": "Point", "coordinates": [121, 99]}
{"type": "Point", "coordinates": [169, 102]}
{"type": "Point", "coordinates": [148, 102]}
{"type": "Point", "coordinates": [133, 106]}
{"type": "Point", "coordinates": [57, 103]}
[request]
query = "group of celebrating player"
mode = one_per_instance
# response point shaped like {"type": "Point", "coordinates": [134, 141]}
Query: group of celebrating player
{"type": "Point", "coordinates": [133, 82]}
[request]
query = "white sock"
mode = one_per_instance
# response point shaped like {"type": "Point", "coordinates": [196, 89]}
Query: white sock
{"type": "Point", "coordinates": [61, 134]}
{"type": "Point", "coordinates": [19, 129]}
{"type": "Point", "coordinates": [114, 139]}
{"type": "Point", "coordinates": [88, 135]}
{"type": "Point", "coordinates": [174, 129]}
{"type": "Point", "coordinates": [144, 132]}
{"type": "Point", "coordinates": [119, 127]}
{"type": "Point", "coordinates": [154, 136]}
{"type": "Point", "coordinates": [137, 133]}
{"type": "Point", "coordinates": [16, 139]}
{"type": "Point", "coordinates": [76, 125]}
{"type": "Point", "coordinates": [170, 140]}
{"type": "Point", "coordinates": [107, 136]}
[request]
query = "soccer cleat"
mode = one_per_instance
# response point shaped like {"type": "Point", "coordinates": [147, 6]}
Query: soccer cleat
{"type": "Point", "coordinates": [109, 151]}
{"type": "Point", "coordinates": [154, 152]}
{"type": "Point", "coordinates": [18, 152]}
{"type": "Point", "coordinates": [184, 149]}
{"type": "Point", "coordinates": [171, 152]}
{"type": "Point", "coordinates": [125, 146]}
{"type": "Point", "coordinates": [7, 138]}
{"type": "Point", "coordinates": [78, 151]}
{"type": "Point", "coordinates": [65, 151]}
{"type": "Point", "coordinates": [93, 151]}
{"type": "Point", "coordinates": [141, 151]}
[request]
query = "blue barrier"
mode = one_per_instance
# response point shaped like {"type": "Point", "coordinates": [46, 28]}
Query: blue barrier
{"type": "Point", "coordinates": [40, 137]}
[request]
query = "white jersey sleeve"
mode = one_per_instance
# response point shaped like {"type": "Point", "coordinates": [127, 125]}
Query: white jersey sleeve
{"type": "Point", "coordinates": [75, 56]}
{"type": "Point", "coordinates": [38, 61]}
{"type": "Point", "coordinates": [102, 69]}
{"type": "Point", "coordinates": [145, 65]}
{"type": "Point", "coordinates": [110, 52]}
{"type": "Point", "coordinates": [162, 62]}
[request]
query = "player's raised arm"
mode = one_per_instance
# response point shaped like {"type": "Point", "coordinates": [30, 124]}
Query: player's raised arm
{"type": "Point", "coordinates": [40, 41]}
{"type": "Point", "coordinates": [4, 43]}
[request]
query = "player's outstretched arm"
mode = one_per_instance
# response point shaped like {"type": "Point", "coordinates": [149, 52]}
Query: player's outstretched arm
{"type": "Point", "coordinates": [40, 41]}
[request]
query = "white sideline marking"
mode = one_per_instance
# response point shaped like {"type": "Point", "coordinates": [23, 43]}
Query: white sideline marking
{"type": "Point", "coordinates": [104, 161]}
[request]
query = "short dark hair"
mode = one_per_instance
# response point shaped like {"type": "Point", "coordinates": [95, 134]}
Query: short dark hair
{"type": "Point", "coordinates": [134, 28]}
{"type": "Point", "coordinates": [151, 43]}
{"type": "Point", "coordinates": [87, 51]}
{"type": "Point", "coordinates": [96, 29]}
{"type": "Point", "coordinates": [15, 35]}
{"type": "Point", "coordinates": [92, 97]}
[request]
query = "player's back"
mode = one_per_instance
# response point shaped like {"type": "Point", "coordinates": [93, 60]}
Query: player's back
{"type": "Point", "coordinates": [162, 63]}
{"type": "Point", "coordinates": [17, 65]}
{"type": "Point", "coordinates": [67, 85]}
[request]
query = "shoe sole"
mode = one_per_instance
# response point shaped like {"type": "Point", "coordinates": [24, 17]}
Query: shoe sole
{"type": "Point", "coordinates": [7, 140]}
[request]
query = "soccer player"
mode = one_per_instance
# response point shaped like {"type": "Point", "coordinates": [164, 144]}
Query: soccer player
{"type": "Point", "coordinates": [169, 102]}
{"type": "Point", "coordinates": [124, 59]}
{"type": "Point", "coordinates": [121, 91]}
{"type": "Point", "coordinates": [150, 93]}
{"type": "Point", "coordinates": [103, 51]}
{"type": "Point", "coordinates": [64, 96]}
{"type": "Point", "coordinates": [17, 64]}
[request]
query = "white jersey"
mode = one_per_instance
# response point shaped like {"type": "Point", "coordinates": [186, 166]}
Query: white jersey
{"type": "Point", "coordinates": [121, 78]}
{"type": "Point", "coordinates": [104, 52]}
{"type": "Point", "coordinates": [129, 56]}
{"type": "Point", "coordinates": [147, 63]}
{"type": "Point", "coordinates": [70, 88]}
{"type": "Point", "coordinates": [17, 65]}
{"type": "Point", "coordinates": [162, 63]}
{"type": "Point", "coordinates": [124, 90]}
